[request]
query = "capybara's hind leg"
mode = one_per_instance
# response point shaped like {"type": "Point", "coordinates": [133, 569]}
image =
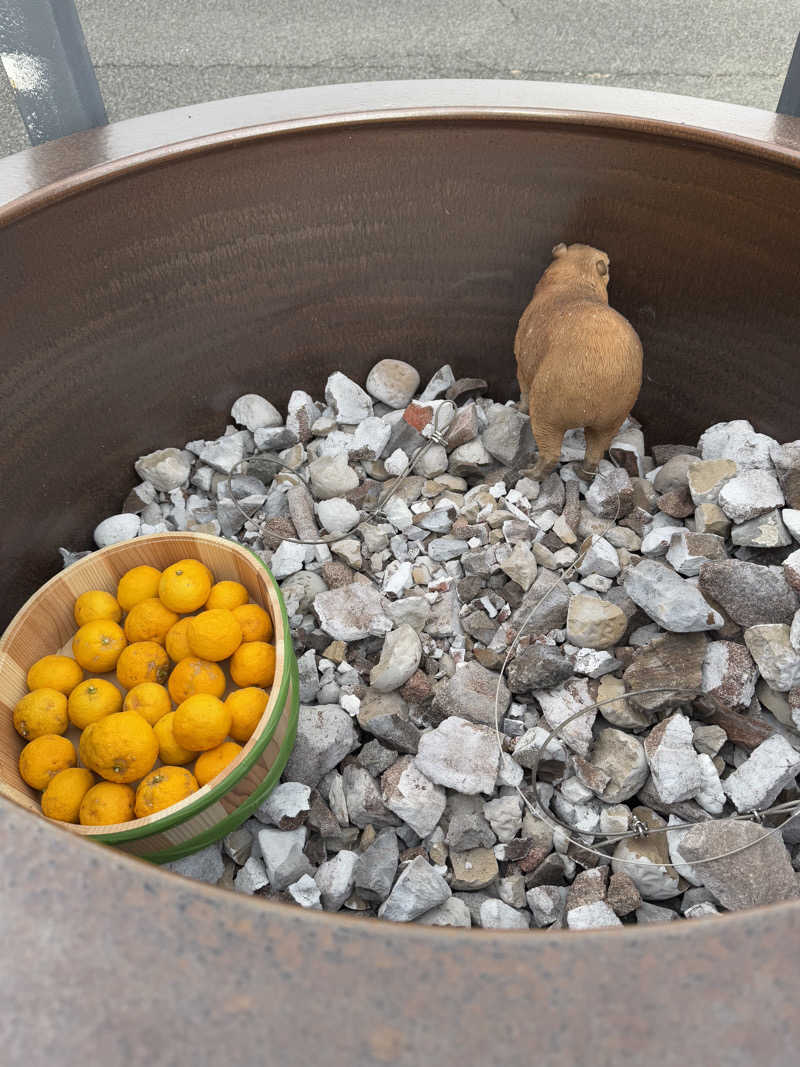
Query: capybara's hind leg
{"type": "Point", "coordinates": [548, 441]}
{"type": "Point", "coordinates": [597, 442]}
{"type": "Point", "coordinates": [523, 404]}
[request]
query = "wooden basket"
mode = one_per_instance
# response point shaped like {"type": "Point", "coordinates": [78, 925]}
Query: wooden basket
{"type": "Point", "coordinates": [46, 624]}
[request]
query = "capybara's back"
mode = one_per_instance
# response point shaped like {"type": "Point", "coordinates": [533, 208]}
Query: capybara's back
{"type": "Point", "coordinates": [579, 362]}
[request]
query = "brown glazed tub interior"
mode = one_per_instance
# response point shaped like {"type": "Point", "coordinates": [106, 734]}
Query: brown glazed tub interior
{"type": "Point", "coordinates": [155, 270]}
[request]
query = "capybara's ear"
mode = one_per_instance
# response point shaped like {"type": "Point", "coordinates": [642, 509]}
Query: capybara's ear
{"type": "Point", "coordinates": [602, 268]}
{"type": "Point", "coordinates": [559, 250]}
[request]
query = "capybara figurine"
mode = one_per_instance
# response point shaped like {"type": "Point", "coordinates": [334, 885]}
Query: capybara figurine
{"type": "Point", "coordinates": [579, 362]}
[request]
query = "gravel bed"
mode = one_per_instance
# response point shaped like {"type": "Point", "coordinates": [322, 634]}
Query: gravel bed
{"type": "Point", "coordinates": [396, 801]}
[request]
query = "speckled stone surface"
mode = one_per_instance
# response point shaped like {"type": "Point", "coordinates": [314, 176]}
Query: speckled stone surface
{"type": "Point", "coordinates": [128, 964]}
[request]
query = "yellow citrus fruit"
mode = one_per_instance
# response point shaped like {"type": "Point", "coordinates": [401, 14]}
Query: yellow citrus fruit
{"type": "Point", "coordinates": [169, 751]}
{"type": "Point", "coordinates": [253, 663]}
{"type": "Point", "coordinates": [94, 605]}
{"type": "Point", "coordinates": [201, 722]}
{"type": "Point", "coordinates": [107, 803]}
{"type": "Point", "coordinates": [92, 700]}
{"type": "Point", "coordinates": [246, 707]}
{"type": "Point", "coordinates": [63, 797]}
{"type": "Point", "coordinates": [185, 586]}
{"type": "Point", "coordinates": [143, 661]}
{"type": "Point", "coordinates": [228, 595]}
{"type": "Point", "coordinates": [194, 675]}
{"type": "Point", "coordinates": [120, 748]}
{"type": "Point", "coordinates": [44, 711]}
{"type": "Point", "coordinates": [162, 788]}
{"type": "Point", "coordinates": [97, 645]}
{"type": "Point", "coordinates": [150, 700]}
{"type": "Point", "coordinates": [137, 584]}
{"type": "Point", "coordinates": [44, 757]}
{"type": "Point", "coordinates": [210, 763]}
{"type": "Point", "coordinates": [255, 622]}
{"type": "Point", "coordinates": [177, 641]}
{"type": "Point", "coordinates": [214, 634]}
{"type": "Point", "coordinates": [55, 672]}
{"type": "Point", "coordinates": [149, 620]}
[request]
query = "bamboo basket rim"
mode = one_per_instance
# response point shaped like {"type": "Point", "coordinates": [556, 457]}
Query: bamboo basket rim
{"type": "Point", "coordinates": [244, 761]}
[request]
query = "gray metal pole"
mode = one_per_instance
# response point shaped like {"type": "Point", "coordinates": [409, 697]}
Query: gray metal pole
{"type": "Point", "coordinates": [789, 103]}
{"type": "Point", "coordinates": [45, 57]}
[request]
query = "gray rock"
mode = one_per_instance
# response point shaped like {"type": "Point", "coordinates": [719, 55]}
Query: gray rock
{"type": "Point", "coordinates": [393, 382]}
{"type": "Point", "coordinates": [364, 802]}
{"type": "Point", "coordinates": [511, 890]}
{"type": "Point", "coordinates": [668, 599]}
{"type": "Point", "coordinates": [538, 667]}
{"type": "Point", "coordinates": [353, 612]}
{"type": "Point", "coordinates": [710, 795]}
{"type": "Point", "coordinates": [349, 401]}
{"type": "Point", "coordinates": [453, 912]}
{"type": "Point", "coordinates": [413, 610]}
{"type": "Point", "coordinates": [303, 587]}
{"type": "Point", "coordinates": [116, 528]}
{"type": "Point", "coordinates": [467, 827]}
{"type": "Point", "coordinates": [308, 676]}
{"type": "Point", "coordinates": [739, 442]}
{"type": "Point", "coordinates": [595, 664]}
{"type": "Point", "coordinates": [385, 715]}
{"type": "Point", "coordinates": [658, 539]}
{"type": "Point", "coordinates": [689, 551]}
{"type": "Point", "coordinates": [337, 516]}
{"type": "Point", "coordinates": [331, 476]}
{"type": "Point", "coordinates": [165, 470]}
{"type": "Point", "coordinates": [559, 704]}
{"type": "Point", "coordinates": [750, 494]}
{"type": "Point", "coordinates": [207, 865]}
{"type": "Point", "coordinates": [442, 549]}
{"type": "Point", "coordinates": [770, 646]}
{"type": "Point", "coordinates": [786, 459]}
{"type": "Point", "coordinates": [460, 755]}
{"type": "Point", "coordinates": [766, 531]}
{"type": "Point", "coordinates": [504, 815]}
{"type": "Point", "coordinates": [601, 558]}
{"type": "Point", "coordinates": [709, 739]}
{"type": "Point", "coordinates": [623, 896]}
{"type": "Point", "coordinates": [674, 474]}
{"type": "Point", "coordinates": [413, 797]}
{"type": "Point", "coordinates": [375, 758]}
{"type": "Point", "coordinates": [251, 877]}
{"type": "Point", "coordinates": [255, 413]}
{"type": "Point", "coordinates": [471, 693]}
{"type": "Point", "coordinates": [274, 440]}
{"type": "Point", "coordinates": [621, 758]}
{"type": "Point", "coordinates": [475, 869]}
{"type": "Point", "coordinates": [289, 558]}
{"type": "Point", "coordinates": [761, 873]}
{"type": "Point", "coordinates": [674, 764]}
{"type": "Point", "coordinates": [282, 852]}
{"type": "Point", "coordinates": [325, 735]}
{"type": "Point", "coordinates": [238, 845]}
{"type": "Point", "coordinates": [401, 655]}
{"type": "Point", "coordinates": [651, 913]}
{"type": "Point", "coordinates": [226, 453]}
{"type": "Point", "coordinates": [729, 674]}
{"type": "Point", "coordinates": [469, 459]}
{"type": "Point", "coordinates": [544, 606]}
{"type": "Point", "coordinates": [302, 414]}
{"type": "Point", "coordinates": [495, 915]}
{"type": "Point", "coordinates": [749, 593]}
{"type": "Point", "coordinates": [286, 806]}
{"type": "Point", "coordinates": [592, 916]}
{"type": "Point", "coordinates": [594, 623]}
{"type": "Point", "coordinates": [432, 461]}
{"type": "Point", "coordinates": [791, 571]}
{"type": "Point", "coordinates": [418, 889]}
{"type": "Point", "coordinates": [547, 904]}
{"type": "Point", "coordinates": [507, 434]}
{"type": "Point", "coordinates": [611, 494]}
{"type": "Point", "coordinates": [336, 878]}
{"type": "Point", "coordinates": [377, 866]}
{"type": "Point", "coordinates": [771, 767]}
{"type": "Point", "coordinates": [439, 384]}
{"type": "Point", "coordinates": [305, 892]}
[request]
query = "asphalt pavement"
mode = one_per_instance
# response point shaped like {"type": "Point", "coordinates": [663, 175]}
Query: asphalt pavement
{"type": "Point", "coordinates": [151, 55]}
